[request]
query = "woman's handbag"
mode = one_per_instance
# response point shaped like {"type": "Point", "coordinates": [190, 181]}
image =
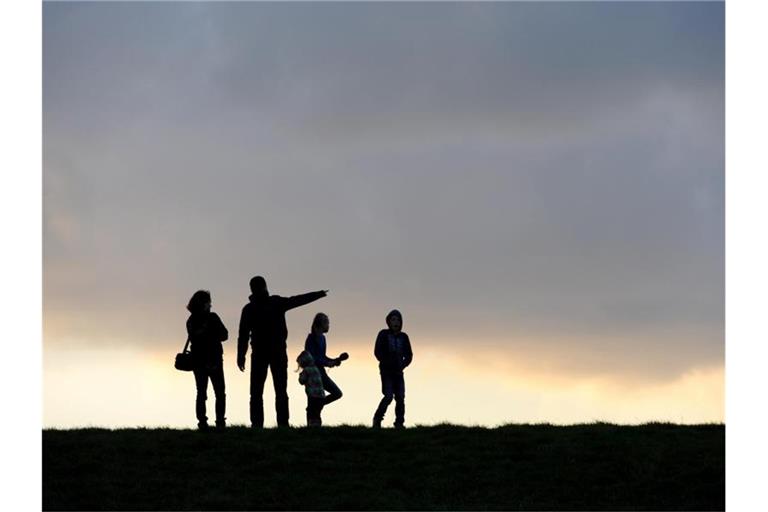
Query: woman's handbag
{"type": "Point", "coordinates": [184, 360]}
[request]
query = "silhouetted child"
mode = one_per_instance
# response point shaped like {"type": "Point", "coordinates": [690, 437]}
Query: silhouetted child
{"type": "Point", "coordinates": [312, 381]}
{"type": "Point", "coordinates": [393, 350]}
{"type": "Point", "coordinates": [316, 346]}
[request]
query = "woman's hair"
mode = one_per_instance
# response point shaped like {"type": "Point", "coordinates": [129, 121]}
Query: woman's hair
{"type": "Point", "coordinates": [318, 320]}
{"type": "Point", "coordinates": [199, 299]}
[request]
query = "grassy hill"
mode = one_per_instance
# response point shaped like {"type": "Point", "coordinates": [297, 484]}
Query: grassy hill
{"type": "Point", "coordinates": [515, 467]}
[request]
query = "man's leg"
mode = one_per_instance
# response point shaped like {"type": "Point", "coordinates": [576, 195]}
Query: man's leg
{"type": "Point", "coordinates": [399, 392]}
{"type": "Point", "coordinates": [201, 383]}
{"type": "Point", "coordinates": [217, 379]}
{"type": "Point", "coordinates": [334, 393]}
{"type": "Point", "coordinates": [258, 376]}
{"type": "Point", "coordinates": [386, 390]}
{"type": "Point", "coordinates": [279, 368]}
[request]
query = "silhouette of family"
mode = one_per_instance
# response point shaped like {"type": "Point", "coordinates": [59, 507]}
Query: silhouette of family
{"type": "Point", "coordinates": [262, 322]}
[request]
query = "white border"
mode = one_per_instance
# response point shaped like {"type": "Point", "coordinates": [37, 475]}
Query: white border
{"type": "Point", "coordinates": [746, 255]}
{"type": "Point", "coordinates": [747, 251]}
{"type": "Point", "coordinates": [21, 233]}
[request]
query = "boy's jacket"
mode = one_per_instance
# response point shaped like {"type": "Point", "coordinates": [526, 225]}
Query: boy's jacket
{"type": "Point", "coordinates": [393, 351]}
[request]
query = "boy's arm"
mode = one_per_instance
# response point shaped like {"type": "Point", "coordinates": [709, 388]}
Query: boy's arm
{"type": "Point", "coordinates": [303, 378]}
{"type": "Point", "coordinates": [379, 349]}
{"type": "Point", "coordinates": [407, 352]}
{"type": "Point", "coordinates": [301, 300]}
{"type": "Point", "coordinates": [244, 333]}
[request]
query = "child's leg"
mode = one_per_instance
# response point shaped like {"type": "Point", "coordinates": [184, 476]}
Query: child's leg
{"type": "Point", "coordinates": [387, 391]}
{"type": "Point", "coordinates": [314, 406]}
{"type": "Point", "coordinates": [399, 392]}
{"type": "Point", "coordinates": [310, 411]}
{"type": "Point", "coordinates": [334, 393]}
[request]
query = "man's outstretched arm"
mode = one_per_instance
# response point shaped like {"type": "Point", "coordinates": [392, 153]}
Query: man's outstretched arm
{"type": "Point", "coordinates": [243, 336]}
{"type": "Point", "coordinates": [301, 300]}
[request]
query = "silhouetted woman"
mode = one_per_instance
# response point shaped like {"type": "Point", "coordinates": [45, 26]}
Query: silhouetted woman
{"type": "Point", "coordinates": [206, 332]}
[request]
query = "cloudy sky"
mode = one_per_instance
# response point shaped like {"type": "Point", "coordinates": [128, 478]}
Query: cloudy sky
{"type": "Point", "coordinates": [538, 187]}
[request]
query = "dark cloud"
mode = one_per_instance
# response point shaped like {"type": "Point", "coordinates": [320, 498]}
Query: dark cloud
{"type": "Point", "coordinates": [496, 170]}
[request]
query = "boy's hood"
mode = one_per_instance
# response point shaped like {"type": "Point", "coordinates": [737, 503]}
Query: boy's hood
{"type": "Point", "coordinates": [396, 313]}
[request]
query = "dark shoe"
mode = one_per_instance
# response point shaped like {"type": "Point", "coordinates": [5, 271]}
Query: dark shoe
{"type": "Point", "coordinates": [221, 425]}
{"type": "Point", "coordinates": [376, 423]}
{"type": "Point", "coordinates": [202, 426]}
{"type": "Point", "coordinates": [399, 425]}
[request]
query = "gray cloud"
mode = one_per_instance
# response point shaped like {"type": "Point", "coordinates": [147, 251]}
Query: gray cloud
{"type": "Point", "coordinates": [521, 170]}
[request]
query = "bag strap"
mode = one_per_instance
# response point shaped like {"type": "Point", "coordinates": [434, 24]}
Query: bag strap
{"type": "Point", "coordinates": [186, 345]}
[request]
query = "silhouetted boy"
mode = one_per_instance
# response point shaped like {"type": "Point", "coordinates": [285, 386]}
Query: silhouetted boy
{"type": "Point", "coordinates": [393, 350]}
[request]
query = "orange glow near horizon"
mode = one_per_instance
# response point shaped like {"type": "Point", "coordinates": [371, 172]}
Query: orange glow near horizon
{"type": "Point", "coordinates": [128, 387]}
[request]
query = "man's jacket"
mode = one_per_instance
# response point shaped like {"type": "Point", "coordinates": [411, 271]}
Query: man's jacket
{"type": "Point", "coordinates": [262, 321]}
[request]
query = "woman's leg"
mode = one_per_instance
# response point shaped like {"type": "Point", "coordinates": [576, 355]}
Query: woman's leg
{"type": "Point", "coordinates": [217, 380]}
{"type": "Point", "coordinates": [201, 382]}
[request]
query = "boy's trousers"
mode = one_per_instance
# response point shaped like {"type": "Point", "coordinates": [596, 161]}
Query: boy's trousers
{"type": "Point", "coordinates": [392, 386]}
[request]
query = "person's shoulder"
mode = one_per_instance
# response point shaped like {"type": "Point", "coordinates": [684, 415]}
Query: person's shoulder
{"type": "Point", "coordinates": [277, 300]}
{"type": "Point", "coordinates": [214, 316]}
{"type": "Point", "coordinates": [383, 332]}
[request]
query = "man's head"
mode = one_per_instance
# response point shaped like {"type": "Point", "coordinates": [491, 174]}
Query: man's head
{"type": "Point", "coordinates": [259, 286]}
{"type": "Point", "coordinates": [395, 320]}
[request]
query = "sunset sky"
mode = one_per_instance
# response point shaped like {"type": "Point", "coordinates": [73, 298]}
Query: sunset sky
{"type": "Point", "coordinates": [537, 187]}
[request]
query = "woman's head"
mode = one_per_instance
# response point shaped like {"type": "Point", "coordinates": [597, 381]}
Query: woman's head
{"type": "Point", "coordinates": [200, 302]}
{"type": "Point", "coordinates": [321, 324]}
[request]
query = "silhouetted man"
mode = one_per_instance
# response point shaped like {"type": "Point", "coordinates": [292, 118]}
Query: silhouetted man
{"type": "Point", "coordinates": [263, 321]}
